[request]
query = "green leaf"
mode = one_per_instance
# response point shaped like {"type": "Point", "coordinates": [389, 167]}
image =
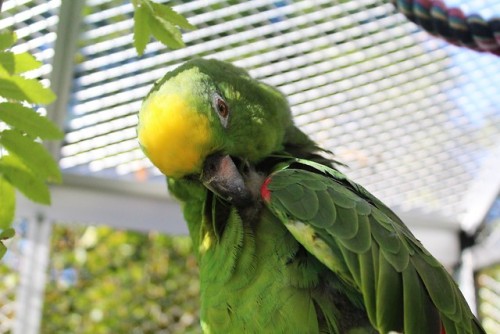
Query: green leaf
{"type": "Point", "coordinates": [3, 249]}
{"type": "Point", "coordinates": [7, 39]}
{"type": "Point", "coordinates": [27, 120]}
{"type": "Point", "coordinates": [166, 33]}
{"type": "Point", "coordinates": [19, 62]}
{"type": "Point", "coordinates": [25, 62]}
{"type": "Point", "coordinates": [8, 200]}
{"type": "Point", "coordinates": [7, 233]}
{"type": "Point", "coordinates": [32, 154]}
{"type": "Point", "coordinates": [159, 20]}
{"type": "Point", "coordinates": [21, 89]}
{"type": "Point", "coordinates": [10, 90]}
{"type": "Point", "coordinates": [167, 13]}
{"type": "Point", "coordinates": [141, 29]}
{"type": "Point", "coordinates": [7, 61]}
{"type": "Point", "coordinates": [21, 177]}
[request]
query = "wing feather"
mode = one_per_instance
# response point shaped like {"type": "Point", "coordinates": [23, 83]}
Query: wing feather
{"type": "Point", "coordinates": [389, 293]}
{"type": "Point", "coordinates": [361, 240]}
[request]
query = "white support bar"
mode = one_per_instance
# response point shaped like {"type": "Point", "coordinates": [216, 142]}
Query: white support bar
{"type": "Point", "coordinates": [120, 204]}
{"type": "Point", "coordinates": [30, 293]}
{"type": "Point", "coordinates": [486, 253]}
{"type": "Point", "coordinates": [466, 279]}
{"type": "Point", "coordinates": [482, 192]}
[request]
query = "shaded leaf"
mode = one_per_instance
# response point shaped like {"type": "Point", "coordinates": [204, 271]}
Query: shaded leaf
{"type": "Point", "coordinates": [8, 200]}
{"type": "Point", "coordinates": [7, 233]}
{"type": "Point", "coordinates": [172, 16]}
{"type": "Point", "coordinates": [141, 29]}
{"type": "Point", "coordinates": [25, 62]}
{"type": "Point", "coordinates": [3, 249]}
{"type": "Point", "coordinates": [159, 20]}
{"type": "Point", "coordinates": [11, 90]}
{"type": "Point", "coordinates": [31, 153]}
{"type": "Point", "coordinates": [21, 89]}
{"type": "Point", "coordinates": [7, 61]}
{"type": "Point", "coordinates": [18, 63]}
{"type": "Point", "coordinates": [7, 39]}
{"type": "Point", "coordinates": [23, 179]}
{"type": "Point", "coordinates": [166, 32]}
{"type": "Point", "coordinates": [29, 121]}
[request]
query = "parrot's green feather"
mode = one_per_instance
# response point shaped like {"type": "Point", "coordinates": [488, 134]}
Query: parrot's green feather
{"type": "Point", "coordinates": [418, 302]}
{"type": "Point", "coordinates": [323, 217]}
{"type": "Point", "coordinates": [342, 197]}
{"type": "Point", "coordinates": [440, 287]}
{"type": "Point", "coordinates": [361, 241]}
{"type": "Point", "coordinates": [285, 242]}
{"type": "Point", "coordinates": [379, 274]}
{"type": "Point", "coordinates": [389, 240]}
{"type": "Point", "coordinates": [346, 224]}
{"type": "Point", "coordinates": [303, 207]}
{"type": "Point", "coordinates": [352, 261]}
{"type": "Point", "coordinates": [369, 281]}
{"type": "Point", "coordinates": [389, 293]}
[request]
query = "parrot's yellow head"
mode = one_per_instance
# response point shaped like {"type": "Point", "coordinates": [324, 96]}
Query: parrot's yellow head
{"type": "Point", "coordinates": [173, 134]}
{"type": "Point", "coordinates": [205, 107]}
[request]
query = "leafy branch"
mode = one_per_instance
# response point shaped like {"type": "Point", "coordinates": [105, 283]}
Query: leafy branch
{"type": "Point", "coordinates": [158, 20]}
{"type": "Point", "coordinates": [25, 163]}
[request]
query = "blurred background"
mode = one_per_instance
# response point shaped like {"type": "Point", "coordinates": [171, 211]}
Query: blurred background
{"type": "Point", "coordinates": [416, 120]}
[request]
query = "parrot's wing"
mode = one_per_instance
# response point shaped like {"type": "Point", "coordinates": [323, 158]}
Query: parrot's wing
{"type": "Point", "coordinates": [362, 241]}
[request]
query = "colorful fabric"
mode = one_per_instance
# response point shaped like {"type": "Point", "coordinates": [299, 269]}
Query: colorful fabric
{"type": "Point", "coordinates": [452, 24]}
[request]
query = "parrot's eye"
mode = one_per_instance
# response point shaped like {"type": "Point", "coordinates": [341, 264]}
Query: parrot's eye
{"type": "Point", "coordinates": [221, 108]}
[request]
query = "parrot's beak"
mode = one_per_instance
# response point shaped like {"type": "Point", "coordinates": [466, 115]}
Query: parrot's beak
{"type": "Point", "coordinates": [222, 177]}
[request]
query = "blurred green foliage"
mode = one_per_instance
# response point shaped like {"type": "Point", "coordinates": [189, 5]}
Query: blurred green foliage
{"type": "Point", "coordinates": [109, 281]}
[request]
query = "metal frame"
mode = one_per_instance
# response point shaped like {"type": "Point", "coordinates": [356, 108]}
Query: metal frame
{"type": "Point", "coordinates": [482, 193]}
{"type": "Point", "coordinates": [120, 204]}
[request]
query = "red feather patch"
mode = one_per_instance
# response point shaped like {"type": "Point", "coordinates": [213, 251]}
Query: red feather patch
{"type": "Point", "coordinates": [443, 331]}
{"type": "Point", "coordinates": [264, 190]}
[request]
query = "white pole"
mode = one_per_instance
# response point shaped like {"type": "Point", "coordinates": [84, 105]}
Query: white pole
{"type": "Point", "coordinates": [29, 298]}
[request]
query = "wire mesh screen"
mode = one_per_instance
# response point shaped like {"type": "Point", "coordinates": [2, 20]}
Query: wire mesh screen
{"type": "Point", "coordinates": [412, 116]}
{"type": "Point", "coordinates": [34, 23]}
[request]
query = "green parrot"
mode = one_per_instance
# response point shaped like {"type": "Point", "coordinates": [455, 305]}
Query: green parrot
{"type": "Point", "coordinates": [285, 242]}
